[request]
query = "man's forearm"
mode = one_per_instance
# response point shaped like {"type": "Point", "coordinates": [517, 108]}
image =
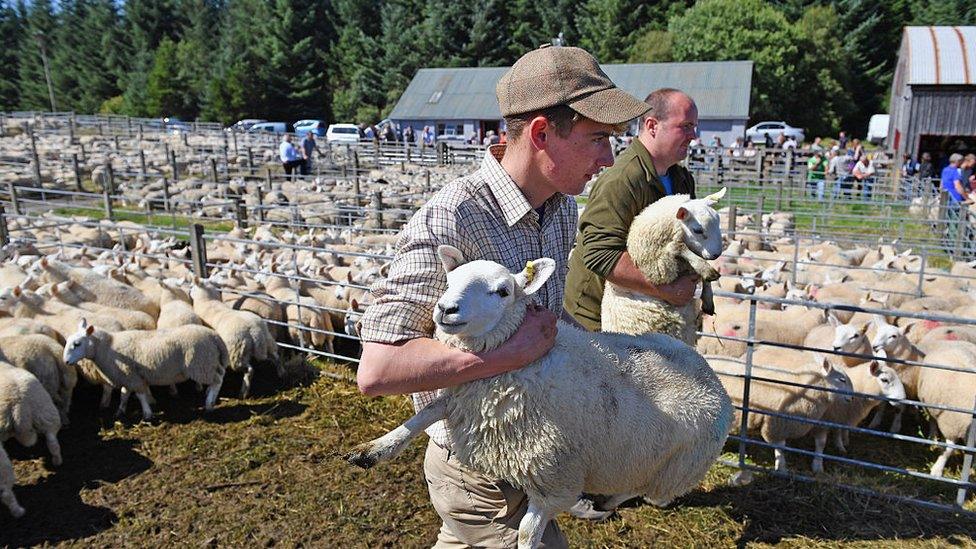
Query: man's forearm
{"type": "Point", "coordinates": [626, 274]}
{"type": "Point", "coordinates": [425, 364]}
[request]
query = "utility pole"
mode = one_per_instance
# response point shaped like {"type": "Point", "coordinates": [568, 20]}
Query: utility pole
{"type": "Point", "coordinates": [39, 36]}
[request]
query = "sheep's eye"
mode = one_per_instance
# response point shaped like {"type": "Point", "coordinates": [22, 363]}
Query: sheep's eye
{"type": "Point", "coordinates": [736, 327]}
{"type": "Point", "coordinates": [698, 230]}
{"type": "Point", "coordinates": [502, 292]}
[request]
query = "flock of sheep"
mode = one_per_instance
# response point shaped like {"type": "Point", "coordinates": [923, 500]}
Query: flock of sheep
{"type": "Point", "coordinates": [122, 309]}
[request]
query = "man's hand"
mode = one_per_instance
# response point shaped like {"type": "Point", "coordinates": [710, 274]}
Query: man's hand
{"type": "Point", "coordinates": [534, 338]}
{"type": "Point", "coordinates": [680, 292]}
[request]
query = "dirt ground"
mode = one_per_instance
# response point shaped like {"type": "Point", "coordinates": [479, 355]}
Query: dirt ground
{"type": "Point", "coordinates": [264, 472]}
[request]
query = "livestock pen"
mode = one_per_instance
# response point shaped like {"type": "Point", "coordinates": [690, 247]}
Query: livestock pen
{"type": "Point", "coordinates": [273, 454]}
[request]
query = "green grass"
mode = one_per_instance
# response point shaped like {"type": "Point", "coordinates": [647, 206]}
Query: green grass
{"type": "Point", "coordinates": [157, 220]}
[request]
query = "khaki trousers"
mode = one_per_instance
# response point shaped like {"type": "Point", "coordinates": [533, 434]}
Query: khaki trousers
{"type": "Point", "coordinates": [477, 511]}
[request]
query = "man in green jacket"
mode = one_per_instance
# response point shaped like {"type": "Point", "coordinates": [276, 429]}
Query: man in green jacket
{"type": "Point", "coordinates": [619, 194]}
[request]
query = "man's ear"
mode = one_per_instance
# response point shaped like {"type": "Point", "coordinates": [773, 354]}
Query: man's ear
{"type": "Point", "coordinates": [537, 130]}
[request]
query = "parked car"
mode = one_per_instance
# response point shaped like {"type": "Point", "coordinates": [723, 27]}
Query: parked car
{"type": "Point", "coordinates": [244, 124]}
{"type": "Point", "coordinates": [758, 132]}
{"type": "Point", "coordinates": [271, 127]}
{"type": "Point", "coordinates": [176, 125]}
{"type": "Point", "coordinates": [318, 127]}
{"type": "Point", "coordinates": [342, 133]}
{"type": "Point", "coordinates": [878, 128]}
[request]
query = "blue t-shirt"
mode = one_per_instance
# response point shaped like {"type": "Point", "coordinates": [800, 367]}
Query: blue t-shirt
{"type": "Point", "coordinates": [666, 181]}
{"type": "Point", "coordinates": [950, 174]}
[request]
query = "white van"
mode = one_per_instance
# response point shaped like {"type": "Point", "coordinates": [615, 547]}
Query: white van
{"type": "Point", "coordinates": [878, 128]}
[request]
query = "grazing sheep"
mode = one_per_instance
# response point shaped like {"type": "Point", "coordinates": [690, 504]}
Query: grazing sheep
{"type": "Point", "coordinates": [7, 481]}
{"type": "Point", "coordinates": [776, 397]}
{"type": "Point", "coordinates": [41, 356]}
{"type": "Point", "coordinates": [26, 409]}
{"type": "Point", "coordinates": [135, 359]}
{"type": "Point", "coordinates": [96, 288]}
{"type": "Point", "coordinates": [670, 238]}
{"type": "Point", "coordinates": [601, 413]}
{"type": "Point", "coordinates": [245, 334]}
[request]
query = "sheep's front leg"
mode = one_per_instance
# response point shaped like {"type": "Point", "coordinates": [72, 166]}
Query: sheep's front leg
{"type": "Point", "coordinates": [144, 402]}
{"type": "Point", "coordinates": [819, 442]}
{"type": "Point", "coordinates": [878, 417]}
{"type": "Point", "coordinates": [389, 445]}
{"type": "Point", "coordinates": [212, 392]}
{"type": "Point", "coordinates": [779, 452]}
{"type": "Point", "coordinates": [10, 500]}
{"type": "Point", "coordinates": [940, 463]}
{"type": "Point", "coordinates": [123, 401]}
{"type": "Point", "coordinates": [707, 299]}
{"type": "Point", "coordinates": [533, 525]}
{"type": "Point", "coordinates": [839, 442]}
{"type": "Point", "coordinates": [896, 423]}
{"type": "Point", "coordinates": [106, 396]}
{"type": "Point", "coordinates": [701, 266]}
{"type": "Point", "coordinates": [246, 384]}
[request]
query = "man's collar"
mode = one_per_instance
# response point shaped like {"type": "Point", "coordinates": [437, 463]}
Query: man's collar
{"type": "Point", "coordinates": [507, 193]}
{"type": "Point", "coordinates": [644, 156]}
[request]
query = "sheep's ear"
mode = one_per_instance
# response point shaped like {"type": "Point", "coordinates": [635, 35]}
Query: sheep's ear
{"type": "Point", "coordinates": [44, 262]}
{"type": "Point", "coordinates": [864, 328]}
{"type": "Point", "coordinates": [875, 368]}
{"type": "Point", "coordinates": [535, 274]}
{"type": "Point", "coordinates": [824, 363]}
{"type": "Point", "coordinates": [354, 304]}
{"type": "Point", "coordinates": [83, 324]}
{"type": "Point", "coordinates": [451, 257]}
{"type": "Point", "coordinates": [833, 320]}
{"type": "Point", "coordinates": [682, 213]}
{"type": "Point", "coordinates": [715, 197]}
{"type": "Point", "coordinates": [17, 291]}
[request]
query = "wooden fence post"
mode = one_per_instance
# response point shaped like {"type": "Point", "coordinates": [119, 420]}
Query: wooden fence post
{"type": "Point", "coordinates": [166, 205]}
{"type": "Point", "coordinates": [260, 203]}
{"type": "Point", "coordinates": [14, 199]}
{"type": "Point", "coordinates": [240, 213]}
{"type": "Point", "coordinates": [378, 207]}
{"type": "Point", "coordinates": [108, 189]}
{"type": "Point", "coordinates": [4, 236]}
{"type": "Point", "coordinates": [172, 163]}
{"type": "Point", "coordinates": [355, 184]}
{"type": "Point", "coordinates": [198, 250]}
{"type": "Point", "coordinates": [77, 171]}
{"type": "Point", "coordinates": [760, 206]}
{"type": "Point", "coordinates": [731, 221]}
{"type": "Point", "coordinates": [213, 171]}
{"type": "Point", "coordinates": [250, 161]}
{"type": "Point", "coordinates": [35, 157]}
{"type": "Point", "coordinates": [142, 165]}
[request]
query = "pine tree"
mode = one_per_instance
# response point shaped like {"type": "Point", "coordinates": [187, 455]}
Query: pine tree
{"type": "Point", "coordinates": [84, 65]}
{"type": "Point", "coordinates": [609, 28]}
{"type": "Point", "coordinates": [196, 52]}
{"type": "Point", "coordinates": [39, 29]}
{"type": "Point", "coordinates": [357, 68]}
{"type": "Point", "coordinates": [11, 34]}
{"type": "Point", "coordinates": [146, 23]}
{"type": "Point", "coordinates": [297, 44]}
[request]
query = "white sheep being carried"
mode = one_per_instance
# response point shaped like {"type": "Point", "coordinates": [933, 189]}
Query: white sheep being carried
{"type": "Point", "coordinates": [670, 238]}
{"type": "Point", "coordinates": [601, 413]}
{"type": "Point", "coordinates": [136, 359]}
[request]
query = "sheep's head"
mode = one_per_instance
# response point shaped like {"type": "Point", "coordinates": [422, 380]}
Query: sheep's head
{"type": "Point", "coordinates": [701, 226]}
{"type": "Point", "coordinates": [9, 298]}
{"type": "Point", "coordinates": [202, 289]}
{"type": "Point", "coordinates": [354, 313]}
{"type": "Point", "coordinates": [847, 338]}
{"type": "Point", "coordinates": [80, 345]}
{"type": "Point", "coordinates": [888, 337]}
{"type": "Point", "coordinates": [836, 379]}
{"type": "Point", "coordinates": [887, 378]}
{"type": "Point", "coordinates": [479, 293]}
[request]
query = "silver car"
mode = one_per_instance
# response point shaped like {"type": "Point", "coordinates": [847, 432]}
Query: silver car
{"type": "Point", "coordinates": [758, 132]}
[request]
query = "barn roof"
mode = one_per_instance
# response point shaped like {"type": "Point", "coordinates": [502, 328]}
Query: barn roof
{"type": "Point", "coordinates": [720, 88]}
{"type": "Point", "coordinates": [941, 55]}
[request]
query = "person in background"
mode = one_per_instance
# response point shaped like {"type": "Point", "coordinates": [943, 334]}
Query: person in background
{"type": "Point", "coordinates": [816, 170]}
{"type": "Point", "coordinates": [816, 145]}
{"type": "Point", "coordinates": [289, 155]}
{"type": "Point", "coordinates": [926, 172]}
{"type": "Point", "coordinates": [643, 174]}
{"type": "Point", "coordinates": [428, 136]}
{"type": "Point", "coordinates": [857, 151]}
{"type": "Point", "coordinates": [863, 173]}
{"type": "Point", "coordinates": [842, 140]}
{"type": "Point", "coordinates": [789, 142]}
{"type": "Point", "coordinates": [767, 140]}
{"type": "Point", "coordinates": [838, 168]}
{"type": "Point", "coordinates": [309, 147]}
{"type": "Point", "coordinates": [909, 167]}
{"type": "Point", "coordinates": [408, 134]}
{"type": "Point", "coordinates": [966, 172]}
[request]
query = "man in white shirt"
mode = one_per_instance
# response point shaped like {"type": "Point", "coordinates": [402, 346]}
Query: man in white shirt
{"type": "Point", "coordinates": [289, 155]}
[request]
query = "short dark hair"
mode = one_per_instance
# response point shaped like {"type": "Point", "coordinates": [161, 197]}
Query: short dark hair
{"type": "Point", "coordinates": [660, 103]}
{"type": "Point", "coordinates": [561, 117]}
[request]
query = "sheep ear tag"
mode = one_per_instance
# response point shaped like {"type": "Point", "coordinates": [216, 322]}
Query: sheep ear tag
{"type": "Point", "coordinates": [535, 274]}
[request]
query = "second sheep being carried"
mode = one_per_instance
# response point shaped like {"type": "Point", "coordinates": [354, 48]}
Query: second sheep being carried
{"type": "Point", "coordinates": [672, 237]}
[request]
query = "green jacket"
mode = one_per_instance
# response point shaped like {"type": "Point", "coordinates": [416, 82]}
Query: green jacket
{"type": "Point", "coordinates": [619, 194]}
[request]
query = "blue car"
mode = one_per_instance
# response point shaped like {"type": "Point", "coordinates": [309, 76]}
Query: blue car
{"type": "Point", "coordinates": [318, 127]}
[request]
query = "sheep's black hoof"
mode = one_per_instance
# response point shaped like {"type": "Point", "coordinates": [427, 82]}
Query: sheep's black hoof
{"type": "Point", "coordinates": [364, 460]}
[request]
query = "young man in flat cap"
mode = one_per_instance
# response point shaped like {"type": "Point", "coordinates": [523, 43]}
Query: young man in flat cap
{"type": "Point", "coordinates": [560, 110]}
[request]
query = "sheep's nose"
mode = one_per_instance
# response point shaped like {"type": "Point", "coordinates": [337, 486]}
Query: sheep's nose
{"type": "Point", "coordinates": [447, 309]}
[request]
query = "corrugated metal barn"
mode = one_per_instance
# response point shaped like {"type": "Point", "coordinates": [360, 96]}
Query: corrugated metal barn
{"type": "Point", "coordinates": [933, 93]}
{"type": "Point", "coordinates": [461, 101]}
